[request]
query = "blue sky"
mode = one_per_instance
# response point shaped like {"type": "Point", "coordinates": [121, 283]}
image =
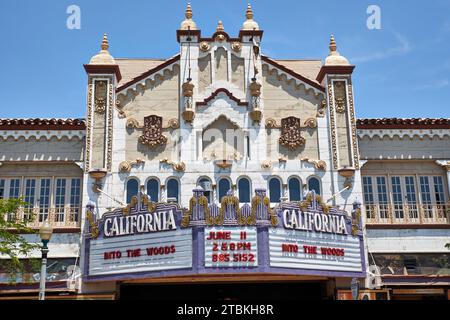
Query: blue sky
{"type": "Point", "coordinates": [402, 70]}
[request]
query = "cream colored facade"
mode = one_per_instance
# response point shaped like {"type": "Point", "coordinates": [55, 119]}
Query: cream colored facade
{"type": "Point", "coordinates": [161, 127]}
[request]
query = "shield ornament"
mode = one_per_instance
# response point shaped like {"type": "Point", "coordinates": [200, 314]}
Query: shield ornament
{"type": "Point", "coordinates": [290, 133]}
{"type": "Point", "coordinates": [153, 136]}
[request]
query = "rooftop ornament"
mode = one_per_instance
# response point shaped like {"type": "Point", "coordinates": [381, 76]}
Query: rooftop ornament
{"type": "Point", "coordinates": [249, 24]}
{"type": "Point", "coordinates": [188, 23]}
{"type": "Point", "coordinates": [335, 58]}
{"type": "Point", "coordinates": [103, 57]}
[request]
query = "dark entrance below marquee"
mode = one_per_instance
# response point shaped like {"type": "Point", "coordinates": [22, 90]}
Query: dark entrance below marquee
{"type": "Point", "coordinates": [296, 291]}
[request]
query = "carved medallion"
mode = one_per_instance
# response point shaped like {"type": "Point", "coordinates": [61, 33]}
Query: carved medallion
{"type": "Point", "coordinates": [100, 97]}
{"type": "Point", "coordinates": [236, 46]}
{"type": "Point", "coordinates": [340, 96]}
{"type": "Point", "coordinates": [153, 136]}
{"type": "Point", "coordinates": [290, 133]}
{"type": "Point", "coordinates": [205, 46]}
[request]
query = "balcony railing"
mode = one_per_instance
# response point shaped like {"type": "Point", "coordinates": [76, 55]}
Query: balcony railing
{"type": "Point", "coordinates": [67, 217]}
{"type": "Point", "coordinates": [407, 213]}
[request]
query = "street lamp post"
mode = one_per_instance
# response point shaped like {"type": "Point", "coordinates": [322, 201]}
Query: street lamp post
{"type": "Point", "coordinates": [45, 232]}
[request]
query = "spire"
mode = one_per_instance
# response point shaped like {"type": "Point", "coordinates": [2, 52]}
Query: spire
{"type": "Point", "coordinates": [220, 27]}
{"type": "Point", "coordinates": [249, 24]}
{"type": "Point", "coordinates": [105, 44]}
{"type": "Point", "coordinates": [188, 13]}
{"type": "Point", "coordinates": [334, 58]}
{"type": "Point", "coordinates": [333, 45]}
{"type": "Point", "coordinates": [103, 57]}
{"type": "Point", "coordinates": [249, 13]}
{"type": "Point", "coordinates": [188, 23]}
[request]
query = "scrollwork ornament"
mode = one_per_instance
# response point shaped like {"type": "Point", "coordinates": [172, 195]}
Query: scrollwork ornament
{"type": "Point", "coordinates": [311, 123]}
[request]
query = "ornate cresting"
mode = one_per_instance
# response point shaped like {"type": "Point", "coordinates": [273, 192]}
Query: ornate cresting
{"type": "Point", "coordinates": [261, 207]}
{"type": "Point", "coordinates": [311, 198]}
{"type": "Point", "coordinates": [230, 212]}
{"type": "Point", "coordinates": [198, 208]}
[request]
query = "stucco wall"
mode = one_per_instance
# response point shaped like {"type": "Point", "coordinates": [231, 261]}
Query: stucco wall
{"type": "Point", "coordinates": [396, 148]}
{"type": "Point", "coordinates": [408, 240]}
{"type": "Point", "coordinates": [43, 149]}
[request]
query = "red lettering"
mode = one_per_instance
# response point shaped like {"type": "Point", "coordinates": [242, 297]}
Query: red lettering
{"type": "Point", "coordinates": [112, 255]}
{"type": "Point", "coordinates": [332, 252]}
{"type": "Point", "coordinates": [220, 235]}
{"type": "Point", "coordinates": [310, 249]}
{"type": "Point", "coordinates": [291, 248]}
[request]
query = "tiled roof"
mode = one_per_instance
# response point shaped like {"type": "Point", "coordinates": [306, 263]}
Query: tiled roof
{"type": "Point", "coordinates": [132, 68]}
{"type": "Point", "coordinates": [402, 123]}
{"type": "Point", "coordinates": [42, 124]}
{"type": "Point", "coordinates": [307, 68]}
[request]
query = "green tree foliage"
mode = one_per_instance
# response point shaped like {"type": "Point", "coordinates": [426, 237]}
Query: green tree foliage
{"type": "Point", "coordinates": [12, 244]}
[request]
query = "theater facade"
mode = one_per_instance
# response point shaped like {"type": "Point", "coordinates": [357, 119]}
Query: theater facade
{"type": "Point", "coordinates": [224, 173]}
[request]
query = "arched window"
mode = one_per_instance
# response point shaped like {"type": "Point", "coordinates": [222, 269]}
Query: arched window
{"type": "Point", "coordinates": [206, 185]}
{"type": "Point", "coordinates": [295, 193]}
{"type": "Point", "coordinates": [314, 184]}
{"type": "Point", "coordinates": [244, 190]}
{"type": "Point", "coordinates": [274, 190]}
{"type": "Point", "coordinates": [153, 189]}
{"type": "Point", "coordinates": [224, 187]}
{"type": "Point", "coordinates": [132, 189]}
{"type": "Point", "coordinates": [173, 189]}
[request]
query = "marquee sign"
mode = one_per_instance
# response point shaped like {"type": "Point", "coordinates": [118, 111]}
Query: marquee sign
{"type": "Point", "coordinates": [312, 239]}
{"type": "Point", "coordinates": [147, 239]}
{"type": "Point", "coordinates": [231, 247]}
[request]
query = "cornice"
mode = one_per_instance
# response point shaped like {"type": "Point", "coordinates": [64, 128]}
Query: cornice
{"type": "Point", "coordinates": [403, 133]}
{"type": "Point", "coordinates": [39, 134]}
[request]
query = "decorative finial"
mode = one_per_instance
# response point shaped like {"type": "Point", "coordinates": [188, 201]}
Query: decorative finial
{"type": "Point", "coordinates": [334, 57]}
{"type": "Point", "coordinates": [333, 46]}
{"type": "Point", "coordinates": [188, 23]}
{"type": "Point", "coordinates": [220, 27]}
{"type": "Point", "coordinates": [249, 13]}
{"type": "Point", "coordinates": [105, 44]}
{"type": "Point", "coordinates": [188, 14]}
{"type": "Point", "coordinates": [249, 24]}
